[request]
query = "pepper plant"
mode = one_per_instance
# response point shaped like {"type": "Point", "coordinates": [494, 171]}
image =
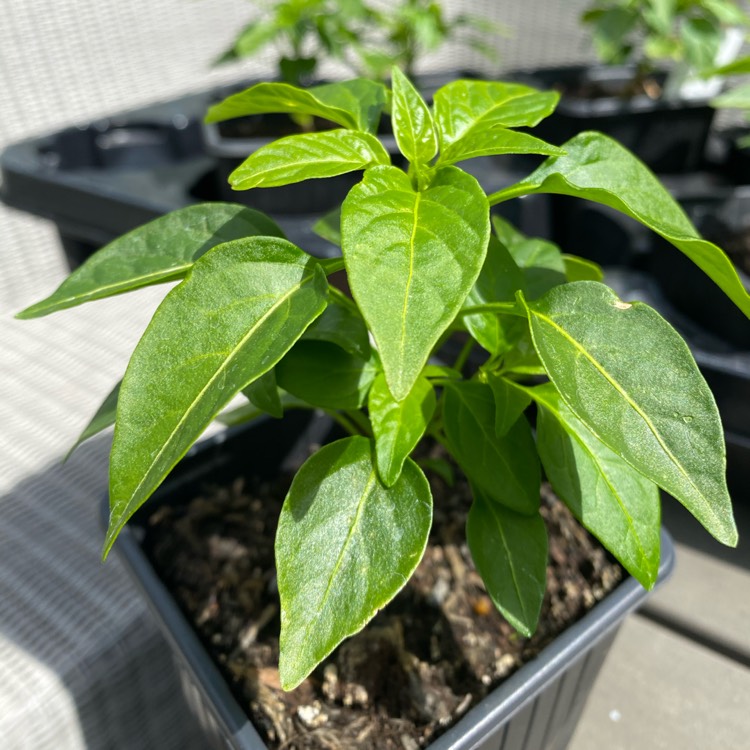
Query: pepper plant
{"type": "Point", "coordinates": [738, 96]}
{"type": "Point", "coordinates": [368, 39]}
{"type": "Point", "coordinates": [650, 33]}
{"type": "Point", "coordinates": [622, 408]}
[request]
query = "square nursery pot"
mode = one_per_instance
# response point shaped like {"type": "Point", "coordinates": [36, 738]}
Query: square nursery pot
{"type": "Point", "coordinates": [536, 708]}
{"type": "Point", "coordinates": [668, 136]}
{"type": "Point", "coordinates": [104, 178]}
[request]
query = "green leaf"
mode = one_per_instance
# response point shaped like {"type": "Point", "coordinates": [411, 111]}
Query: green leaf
{"type": "Point", "coordinates": [498, 281]}
{"type": "Point", "coordinates": [308, 156]}
{"type": "Point", "coordinates": [240, 309]}
{"type": "Point", "coordinates": [505, 468]}
{"type": "Point", "coordinates": [104, 418]}
{"type": "Point", "coordinates": [329, 227]}
{"type": "Point", "coordinates": [540, 261]}
{"type": "Point", "coordinates": [398, 425]}
{"type": "Point", "coordinates": [266, 98]}
{"type": "Point", "coordinates": [618, 505]}
{"type": "Point", "coordinates": [702, 40]}
{"type": "Point", "coordinates": [345, 546]}
{"type": "Point", "coordinates": [610, 33]}
{"type": "Point", "coordinates": [341, 324]}
{"type": "Point", "coordinates": [162, 250]}
{"type": "Point", "coordinates": [411, 258]}
{"type": "Point", "coordinates": [737, 98]}
{"type": "Point", "coordinates": [248, 412]}
{"type": "Point", "coordinates": [727, 12]}
{"type": "Point", "coordinates": [324, 375]}
{"type": "Point", "coordinates": [510, 403]}
{"type": "Point", "coordinates": [412, 121]}
{"type": "Point", "coordinates": [581, 269]}
{"type": "Point", "coordinates": [462, 107]}
{"type": "Point", "coordinates": [355, 105]}
{"type": "Point", "coordinates": [363, 98]}
{"type": "Point", "coordinates": [264, 394]}
{"type": "Point", "coordinates": [630, 378]}
{"type": "Point", "coordinates": [599, 169]}
{"type": "Point", "coordinates": [510, 553]}
{"type": "Point", "coordinates": [737, 67]}
{"type": "Point", "coordinates": [496, 142]}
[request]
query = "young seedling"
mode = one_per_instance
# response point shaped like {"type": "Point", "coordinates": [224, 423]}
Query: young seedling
{"type": "Point", "coordinates": [368, 39]}
{"type": "Point", "coordinates": [654, 33]}
{"type": "Point", "coordinates": [622, 408]}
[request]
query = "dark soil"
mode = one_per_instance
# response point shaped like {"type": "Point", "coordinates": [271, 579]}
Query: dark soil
{"type": "Point", "coordinates": [436, 650]}
{"type": "Point", "coordinates": [610, 89]}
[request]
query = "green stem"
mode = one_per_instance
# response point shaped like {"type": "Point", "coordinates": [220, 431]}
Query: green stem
{"type": "Point", "coordinates": [363, 424]}
{"type": "Point", "coordinates": [343, 421]}
{"type": "Point", "coordinates": [463, 355]}
{"type": "Point", "coordinates": [331, 265]}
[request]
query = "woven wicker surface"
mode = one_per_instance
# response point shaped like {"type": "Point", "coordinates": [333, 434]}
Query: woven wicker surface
{"type": "Point", "coordinates": [81, 664]}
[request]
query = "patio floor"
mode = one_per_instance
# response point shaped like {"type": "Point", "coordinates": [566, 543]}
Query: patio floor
{"type": "Point", "coordinates": [678, 675]}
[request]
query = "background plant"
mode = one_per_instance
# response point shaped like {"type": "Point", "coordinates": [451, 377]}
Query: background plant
{"type": "Point", "coordinates": [651, 33]}
{"type": "Point", "coordinates": [738, 96]}
{"type": "Point", "coordinates": [369, 39]}
{"type": "Point", "coordinates": [623, 409]}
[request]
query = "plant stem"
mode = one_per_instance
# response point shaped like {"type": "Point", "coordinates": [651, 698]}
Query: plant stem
{"type": "Point", "coordinates": [363, 424]}
{"type": "Point", "coordinates": [463, 355]}
{"type": "Point", "coordinates": [343, 421]}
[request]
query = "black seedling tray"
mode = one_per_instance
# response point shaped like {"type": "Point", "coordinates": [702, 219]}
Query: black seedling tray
{"type": "Point", "coordinates": [106, 177]}
{"type": "Point", "coordinates": [669, 136]}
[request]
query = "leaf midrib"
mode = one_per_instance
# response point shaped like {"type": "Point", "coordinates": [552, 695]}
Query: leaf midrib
{"type": "Point", "coordinates": [219, 372]}
{"type": "Point", "coordinates": [554, 413]}
{"type": "Point", "coordinates": [516, 585]}
{"type": "Point", "coordinates": [619, 388]}
{"type": "Point", "coordinates": [366, 492]}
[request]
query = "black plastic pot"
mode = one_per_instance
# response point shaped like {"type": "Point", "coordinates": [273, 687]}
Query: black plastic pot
{"type": "Point", "coordinates": [537, 707]}
{"type": "Point", "coordinates": [668, 136]}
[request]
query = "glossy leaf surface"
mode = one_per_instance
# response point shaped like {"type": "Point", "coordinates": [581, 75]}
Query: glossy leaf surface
{"type": "Point", "coordinates": [325, 375]}
{"type": "Point", "coordinates": [510, 403]}
{"type": "Point", "coordinates": [398, 425]}
{"type": "Point", "coordinates": [412, 121]}
{"type": "Point", "coordinates": [498, 281]}
{"type": "Point", "coordinates": [510, 553]}
{"type": "Point", "coordinates": [308, 156]}
{"type": "Point", "coordinates": [162, 250]}
{"type": "Point", "coordinates": [263, 393]}
{"type": "Point", "coordinates": [630, 378]}
{"type": "Point", "coordinates": [496, 142]}
{"type": "Point", "coordinates": [242, 307]}
{"type": "Point", "coordinates": [412, 257]}
{"type": "Point", "coordinates": [342, 325]}
{"type": "Point", "coordinates": [541, 262]}
{"type": "Point", "coordinates": [463, 107]}
{"type": "Point", "coordinates": [345, 546]}
{"type": "Point", "coordinates": [353, 104]}
{"type": "Point", "coordinates": [581, 269]}
{"type": "Point", "coordinates": [504, 468]}
{"type": "Point", "coordinates": [600, 169]}
{"type": "Point", "coordinates": [617, 504]}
